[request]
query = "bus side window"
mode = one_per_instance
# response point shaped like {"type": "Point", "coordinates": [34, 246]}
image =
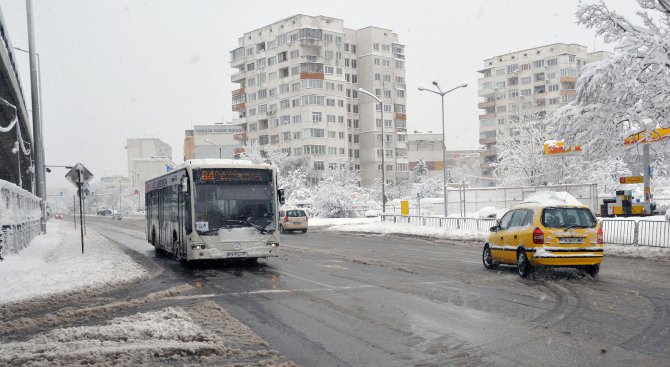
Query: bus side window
{"type": "Point", "coordinates": [188, 222]}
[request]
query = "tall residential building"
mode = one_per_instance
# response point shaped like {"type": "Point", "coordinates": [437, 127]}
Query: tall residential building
{"type": "Point", "coordinates": [540, 79]}
{"type": "Point", "coordinates": [298, 92]}
{"type": "Point", "coordinates": [212, 141]}
{"type": "Point", "coordinates": [147, 158]}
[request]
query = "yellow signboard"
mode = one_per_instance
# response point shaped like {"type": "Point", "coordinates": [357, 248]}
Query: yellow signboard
{"type": "Point", "coordinates": [660, 134]}
{"type": "Point", "coordinates": [404, 208]}
{"type": "Point", "coordinates": [631, 180]}
{"type": "Point", "coordinates": [558, 147]}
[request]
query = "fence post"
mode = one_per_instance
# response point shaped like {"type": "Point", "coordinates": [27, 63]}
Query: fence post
{"type": "Point", "coordinates": [458, 223]}
{"type": "Point", "coordinates": [636, 233]}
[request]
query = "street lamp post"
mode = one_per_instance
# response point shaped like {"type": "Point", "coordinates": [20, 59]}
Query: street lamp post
{"type": "Point", "coordinates": [216, 145]}
{"type": "Point", "coordinates": [381, 111]}
{"type": "Point", "coordinates": [139, 190]}
{"type": "Point", "coordinates": [161, 159]}
{"type": "Point", "coordinates": [442, 93]}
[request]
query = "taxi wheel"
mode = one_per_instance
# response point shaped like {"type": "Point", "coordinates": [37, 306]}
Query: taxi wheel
{"type": "Point", "coordinates": [522, 264]}
{"type": "Point", "coordinates": [303, 231]}
{"type": "Point", "coordinates": [487, 258]}
{"type": "Point", "coordinates": [281, 229]}
{"type": "Point", "coordinates": [592, 270]}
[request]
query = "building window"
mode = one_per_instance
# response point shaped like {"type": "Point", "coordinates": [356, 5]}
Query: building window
{"type": "Point", "coordinates": [317, 117]}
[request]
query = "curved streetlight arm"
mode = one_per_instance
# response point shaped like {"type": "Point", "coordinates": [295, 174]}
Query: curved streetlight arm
{"type": "Point", "coordinates": [371, 95]}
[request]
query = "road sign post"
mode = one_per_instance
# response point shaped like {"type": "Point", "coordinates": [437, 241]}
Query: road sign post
{"type": "Point", "coordinates": [80, 176]}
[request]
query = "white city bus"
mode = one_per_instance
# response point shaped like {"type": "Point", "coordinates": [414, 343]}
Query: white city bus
{"type": "Point", "coordinates": [214, 209]}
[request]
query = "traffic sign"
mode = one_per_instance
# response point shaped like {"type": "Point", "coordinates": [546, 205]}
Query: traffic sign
{"type": "Point", "coordinates": [631, 180]}
{"type": "Point", "coordinates": [79, 175]}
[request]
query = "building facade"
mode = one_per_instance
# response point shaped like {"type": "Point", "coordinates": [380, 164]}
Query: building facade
{"type": "Point", "coordinates": [461, 164]}
{"type": "Point", "coordinates": [542, 79]}
{"type": "Point", "coordinates": [298, 92]}
{"type": "Point", "coordinates": [147, 158]}
{"type": "Point", "coordinates": [212, 141]}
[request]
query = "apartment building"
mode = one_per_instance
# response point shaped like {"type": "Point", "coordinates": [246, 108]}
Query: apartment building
{"type": "Point", "coordinates": [298, 92]}
{"type": "Point", "coordinates": [461, 164]}
{"type": "Point", "coordinates": [147, 158]}
{"type": "Point", "coordinates": [212, 141]}
{"type": "Point", "coordinates": [540, 79]}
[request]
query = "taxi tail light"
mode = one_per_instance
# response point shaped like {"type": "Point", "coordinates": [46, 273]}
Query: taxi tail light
{"type": "Point", "coordinates": [600, 236]}
{"type": "Point", "coordinates": [538, 236]}
{"type": "Point", "coordinates": [306, 219]}
{"type": "Point", "coordinates": [286, 218]}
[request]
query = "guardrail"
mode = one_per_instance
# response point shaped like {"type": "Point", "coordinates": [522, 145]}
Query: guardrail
{"type": "Point", "coordinates": [615, 231]}
{"type": "Point", "coordinates": [472, 224]}
{"type": "Point", "coordinates": [19, 218]}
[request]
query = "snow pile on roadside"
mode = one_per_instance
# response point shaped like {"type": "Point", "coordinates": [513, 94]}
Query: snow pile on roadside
{"type": "Point", "coordinates": [551, 198]}
{"type": "Point", "coordinates": [53, 263]}
{"type": "Point", "coordinates": [200, 335]}
{"type": "Point", "coordinates": [645, 252]}
{"type": "Point", "coordinates": [408, 229]}
{"type": "Point", "coordinates": [328, 222]}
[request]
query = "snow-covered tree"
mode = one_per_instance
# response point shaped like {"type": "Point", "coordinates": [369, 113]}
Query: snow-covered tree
{"type": "Point", "coordinates": [420, 170]}
{"type": "Point", "coordinates": [520, 148]}
{"type": "Point", "coordinates": [628, 92]}
{"type": "Point", "coordinates": [339, 192]}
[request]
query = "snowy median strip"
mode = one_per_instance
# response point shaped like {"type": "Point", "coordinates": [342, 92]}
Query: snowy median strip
{"type": "Point", "coordinates": [53, 264]}
{"type": "Point", "coordinates": [409, 229]}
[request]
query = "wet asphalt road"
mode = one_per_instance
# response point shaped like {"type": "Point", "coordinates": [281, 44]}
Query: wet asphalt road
{"type": "Point", "coordinates": [335, 299]}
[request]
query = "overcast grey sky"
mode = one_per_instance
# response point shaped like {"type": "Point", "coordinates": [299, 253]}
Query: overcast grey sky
{"type": "Point", "coordinates": [118, 69]}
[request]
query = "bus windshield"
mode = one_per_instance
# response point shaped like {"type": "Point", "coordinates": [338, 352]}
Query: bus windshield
{"type": "Point", "coordinates": [226, 203]}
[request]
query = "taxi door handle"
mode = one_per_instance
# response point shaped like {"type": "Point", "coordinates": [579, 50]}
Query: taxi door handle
{"type": "Point", "coordinates": [515, 237]}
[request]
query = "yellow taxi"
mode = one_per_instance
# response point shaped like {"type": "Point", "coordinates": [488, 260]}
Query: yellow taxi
{"type": "Point", "coordinates": [546, 234]}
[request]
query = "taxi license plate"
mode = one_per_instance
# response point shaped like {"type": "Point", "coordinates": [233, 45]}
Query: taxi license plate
{"type": "Point", "coordinates": [237, 254]}
{"type": "Point", "coordinates": [571, 240]}
{"type": "Point", "coordinates": [294, 222]}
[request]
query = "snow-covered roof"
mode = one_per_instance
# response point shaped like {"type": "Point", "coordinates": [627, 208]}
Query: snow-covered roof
{"type": "Point", "coordinates": [208, 161]}
{"type": "Point", "coordinates": [552, 198]}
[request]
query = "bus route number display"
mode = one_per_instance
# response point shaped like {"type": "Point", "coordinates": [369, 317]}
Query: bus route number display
{"type": "Point", "coordinates": [232, 175]}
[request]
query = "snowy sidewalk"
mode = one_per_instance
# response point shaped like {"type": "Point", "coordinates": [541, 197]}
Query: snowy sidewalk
{"type": "Point", "coordinates": [53, 264]}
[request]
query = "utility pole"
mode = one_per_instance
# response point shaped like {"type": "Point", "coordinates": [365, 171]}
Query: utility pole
{"type": "Point", "coordinates": [37, 122]}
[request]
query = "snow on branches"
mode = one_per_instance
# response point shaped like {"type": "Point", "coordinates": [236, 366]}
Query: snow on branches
{"type": "Point", "coordinates": [628, 92]}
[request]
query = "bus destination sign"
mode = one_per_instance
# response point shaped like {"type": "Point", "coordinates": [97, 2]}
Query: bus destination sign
{"type": "Point", "coordinates": [232, 175]}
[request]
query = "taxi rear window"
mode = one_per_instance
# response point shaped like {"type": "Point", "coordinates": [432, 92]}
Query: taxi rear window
{"type": "Point", "coordinates": [568, 217]}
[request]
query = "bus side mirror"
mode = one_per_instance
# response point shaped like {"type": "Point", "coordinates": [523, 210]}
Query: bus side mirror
{"type": "Point", "coordinates": [281, 196]}
{"type": "Point", "coordinates": [184, 184]}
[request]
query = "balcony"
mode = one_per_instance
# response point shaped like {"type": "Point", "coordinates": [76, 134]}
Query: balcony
{"type": "Point", "coordinates": [237, 77]}
{"type": "Point", "coordinates": [240, 136]}
{"type": "Point", "coordinates": [239, 107]}
{"type": "Point", "coordinates": [238, 92]}
{"type": "Point", "coordinates": [311, 76]}
{"type": "Point", "coordinates": [487, 141]}
{"type": "Point", "coordinates": [568, 79]}
{"type": "Point", "coordinates": [568, 92]}
{"type": "Point", "coordinates": [487, 116]}
{"type": "Point", "coordinates": [487, 165]}
{"type": "Point", "coordinates": [240, 121]}
{"type": "Point", "coordinates": [487, 104]}
{"type": "Point", "coordinates": [400, 116]}
{"type": "Point", "coordinates": [488, 153]}
{"type": "Point", "coordinates": [237, 63]}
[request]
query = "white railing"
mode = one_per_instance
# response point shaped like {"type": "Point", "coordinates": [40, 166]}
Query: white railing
{"type": "Point", "coordinates": [469, 224]}
{"type": "Point", "coordinates": [19, 218]}
{"type": "Point", "coordinates": [615, 231]}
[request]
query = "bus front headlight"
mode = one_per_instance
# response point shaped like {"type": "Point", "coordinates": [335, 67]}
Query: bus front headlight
{"type": "Point", "coordinates": [198, 247]}
{"type": "Point", "coordinates": [273, 244]}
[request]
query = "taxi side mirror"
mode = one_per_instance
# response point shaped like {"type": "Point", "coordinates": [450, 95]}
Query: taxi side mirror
{"type": "Point", "coordinates": [495, 228]}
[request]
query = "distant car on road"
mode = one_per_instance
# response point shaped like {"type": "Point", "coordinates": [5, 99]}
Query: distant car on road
{"type": "Point", "coordinates": [59, 215]}
{"type": "Point", "coordinates": [293, 220]}
{"type": "Point", "coordinates": [116, 215]}
{"type": "Point", "coordinates": [372, 213]}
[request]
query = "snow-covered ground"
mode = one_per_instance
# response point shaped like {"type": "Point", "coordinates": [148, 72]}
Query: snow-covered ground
{"type": "Point", "coordinates": [328, 222]}
{"type": "Point", "coordinates": [377, 227]}
{"type": "Point", "coordinates": [53, 263]}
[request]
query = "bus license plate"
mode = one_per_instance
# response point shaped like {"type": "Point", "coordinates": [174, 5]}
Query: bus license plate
{"type": "Point", "coordinates": [571, 240]}
{"type": "Point", "coordinates": [237, 254]}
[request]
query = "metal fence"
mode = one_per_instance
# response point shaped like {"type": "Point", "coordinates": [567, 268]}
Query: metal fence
{"type": "Point", "coordinates": [615, 231]}
{"type": "Point", "coordinates": [471, 224]}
